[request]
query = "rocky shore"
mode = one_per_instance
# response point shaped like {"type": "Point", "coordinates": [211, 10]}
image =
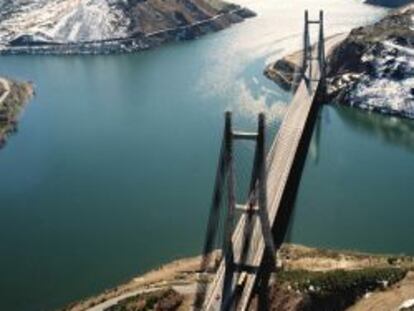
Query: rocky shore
{"type": "Point", "coordinates": [13, 96]}
{"type": "Point", "coordinates": [306, 279]}
{"type": "Point", "coordinates": [371, 69]}
{"type": "Point", "coordinates": [62, 27]}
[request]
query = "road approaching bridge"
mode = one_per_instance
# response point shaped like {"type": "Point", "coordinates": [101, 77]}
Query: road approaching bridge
{"type": "Point", "coordinates": [248, 254]}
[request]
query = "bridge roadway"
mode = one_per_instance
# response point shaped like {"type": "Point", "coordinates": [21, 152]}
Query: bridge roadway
{"type": "Point", "coordinates": [279, 162]}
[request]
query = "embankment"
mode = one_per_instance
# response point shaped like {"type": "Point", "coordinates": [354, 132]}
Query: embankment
{"type": "Point", "coordinates": [307, 279]}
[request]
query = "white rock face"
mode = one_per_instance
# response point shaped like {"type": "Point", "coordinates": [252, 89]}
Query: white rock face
{"type": "Point", "coordinates": [66, 21]}
{"type": "Point", "coordinates": [392, 89]}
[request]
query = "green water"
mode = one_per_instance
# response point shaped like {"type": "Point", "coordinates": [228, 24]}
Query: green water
{"type": "Point", "coordinates": [356, 190]}
{"type": "Point", "coordinates": [112, 169]}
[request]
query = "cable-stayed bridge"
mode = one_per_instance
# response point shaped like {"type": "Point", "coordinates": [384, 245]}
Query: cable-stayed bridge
{"type": "Point", "coordinates": [248, 252]}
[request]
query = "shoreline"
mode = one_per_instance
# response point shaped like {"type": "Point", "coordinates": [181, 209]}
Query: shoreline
{"type": "Point", "coordinates": [284, 71]}
{"type": "Point", "coordinates": [181, 276]}
{"type": "Point", "coordinates": [134, 43]}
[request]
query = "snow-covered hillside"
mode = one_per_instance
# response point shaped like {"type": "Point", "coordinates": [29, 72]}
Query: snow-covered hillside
{"type": "Point", "coordinates": [374, 67]}
{"type": "Point", "coordinates": [107, 26]}
{"type": "Point", "coordinates": [392, 88]}
{"type": "Point", "coordinates": [66, 21]}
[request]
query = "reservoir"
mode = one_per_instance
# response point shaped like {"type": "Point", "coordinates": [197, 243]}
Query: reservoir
{"type": "Point", "coordinates": [112, 169]}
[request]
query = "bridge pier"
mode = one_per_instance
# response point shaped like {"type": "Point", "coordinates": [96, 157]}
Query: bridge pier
{"type": "Point", "coordinates": [255, 210]}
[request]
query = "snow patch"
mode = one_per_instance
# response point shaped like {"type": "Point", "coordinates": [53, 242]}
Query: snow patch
{"type": "Point", "coordinates": [390, 88]}
{"type": "Point", "coordinates": [68, 21]}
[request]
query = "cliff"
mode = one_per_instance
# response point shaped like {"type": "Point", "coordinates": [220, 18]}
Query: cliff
{"type": "Point", "coordinates": [108, 26]}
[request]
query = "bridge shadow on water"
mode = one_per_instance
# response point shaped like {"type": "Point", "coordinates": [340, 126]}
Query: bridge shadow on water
{"type": "Point", "coordinates": [359, 164]}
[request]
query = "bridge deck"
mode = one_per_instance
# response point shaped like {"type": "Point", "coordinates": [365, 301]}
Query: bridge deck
{"type": "Point", "coordinates": [279, 163]}
{"type": "Point", "coordinates": [280, 160]}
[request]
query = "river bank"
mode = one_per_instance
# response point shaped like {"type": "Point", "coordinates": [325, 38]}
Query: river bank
{"type": "Point", "coordinates": [307, 279]}
{"type": "Point", "coordinates": [60, 27]}
{"type": "Point", "coordinates": [13, 96]}
{"type": "Point", "coordinates": [370, 69]}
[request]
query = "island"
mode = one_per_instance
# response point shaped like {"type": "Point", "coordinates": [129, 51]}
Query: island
{"type": "Point", "coordinates": [108, 26]}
